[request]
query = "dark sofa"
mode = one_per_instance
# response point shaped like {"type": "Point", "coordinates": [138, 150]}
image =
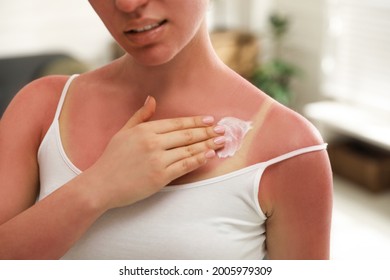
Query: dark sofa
{"type": "Point", "coordinates": [15, 72]}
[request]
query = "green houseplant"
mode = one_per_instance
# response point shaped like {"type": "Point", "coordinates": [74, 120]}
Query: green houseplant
{"type": "Point", "coordinates": [274, 76]}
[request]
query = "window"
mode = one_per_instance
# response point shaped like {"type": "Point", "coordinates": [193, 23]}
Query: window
{"type": "Point", "coordinates": [356, 62]}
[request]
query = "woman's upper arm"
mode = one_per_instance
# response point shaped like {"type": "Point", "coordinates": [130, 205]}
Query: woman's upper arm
{"type": "Point", "coordinates": [300, 208]}
{"type": "Point", "coordinates": [21, 130]}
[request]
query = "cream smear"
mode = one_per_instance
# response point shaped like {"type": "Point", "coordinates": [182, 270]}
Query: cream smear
{"type": "Point", "coordinates": [235, 131]}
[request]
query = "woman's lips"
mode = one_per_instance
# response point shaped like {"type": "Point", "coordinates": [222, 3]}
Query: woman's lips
{"type": "Point", "coordinates": [146, 34]}
{"type": "Point", "coordinates": [147, 27]}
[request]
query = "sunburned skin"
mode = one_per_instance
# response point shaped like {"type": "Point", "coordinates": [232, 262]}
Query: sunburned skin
{"type": "Point", "coordinates": [235, 131]}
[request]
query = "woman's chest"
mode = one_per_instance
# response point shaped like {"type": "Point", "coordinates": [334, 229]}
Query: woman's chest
{"type": "Point", "coordinates": [218, 220]}
{"type": "Point", "coordinates": [86, 129]}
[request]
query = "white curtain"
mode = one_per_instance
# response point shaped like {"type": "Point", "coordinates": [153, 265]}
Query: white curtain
{"type": "Point", "coordinates": [356, 62]}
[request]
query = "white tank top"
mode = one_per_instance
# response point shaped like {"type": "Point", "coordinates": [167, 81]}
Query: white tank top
{"type": "Point", "coordinates": [217, 218]}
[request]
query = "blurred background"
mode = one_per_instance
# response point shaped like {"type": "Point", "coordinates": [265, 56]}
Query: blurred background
{"type": "Point", "coordinates": [326, 59]}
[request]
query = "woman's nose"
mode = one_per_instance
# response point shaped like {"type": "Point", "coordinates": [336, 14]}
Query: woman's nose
{"type": "Point", "coordinates": [129, 6]}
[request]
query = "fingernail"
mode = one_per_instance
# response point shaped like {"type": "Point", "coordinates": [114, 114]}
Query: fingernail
{"type": "Point", "coordinates": [220, 140]}
{"type": "Point", "coordinates": [147, 99]}
{"type": "Point", "coordinates": [219, 129]}
{"type": "Point", "coordinates": [210, 154]}
{"type": "Point", "coordinates": [208, 120]}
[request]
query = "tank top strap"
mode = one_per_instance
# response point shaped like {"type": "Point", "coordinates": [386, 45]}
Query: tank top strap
{"type": "Point", "coordinates": [296, 153]}
{"type": "Point", "coordinates": [63, 95]}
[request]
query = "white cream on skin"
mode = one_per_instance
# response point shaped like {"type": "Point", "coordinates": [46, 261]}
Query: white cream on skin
{"type": "Point", "coordinates": [235, 131]}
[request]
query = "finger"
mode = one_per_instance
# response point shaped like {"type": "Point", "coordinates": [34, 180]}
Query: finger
{"type": "Point", "coordinates": [186, 165]}
{"type": "Point", "coordinates": [189, 136]}
{"type": "Point", "coordinates": [172, 156]}
{"type": "Point", "coordinates": [169, 125]}
{"type": "Point", "coordinates": [143, 114]}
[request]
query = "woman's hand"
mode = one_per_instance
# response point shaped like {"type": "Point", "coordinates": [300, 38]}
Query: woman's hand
{"type": "Point", "coordinates": [143, 156]}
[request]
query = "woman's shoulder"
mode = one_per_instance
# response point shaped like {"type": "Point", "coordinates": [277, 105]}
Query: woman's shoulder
{"type": "Point", "coordinates": [296, 128]}
{"type": "Point", "coordinates": [276, 128]}
{"type": "Point", "coordinates": [35, 104]}
{"type": "Point", "coordinates": [300, 179]}
{"type": "Point", "coordinates": [282, 130]}
{"type": "Point", "coordinates": [39, 92]}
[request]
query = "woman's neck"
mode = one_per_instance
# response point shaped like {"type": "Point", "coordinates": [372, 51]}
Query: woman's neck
{"type": "Point", "coordinates": [197, 63]}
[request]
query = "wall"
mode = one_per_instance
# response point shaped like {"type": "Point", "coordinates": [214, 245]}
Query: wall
{"type": "Point", "coordinates": [28, 27]}
{"type": "Point", "coordinates": [304, 46]}
{"type": "Point", "coordinates": [72, 26]}
{"type": "Point", "coordinates": [250, 15]}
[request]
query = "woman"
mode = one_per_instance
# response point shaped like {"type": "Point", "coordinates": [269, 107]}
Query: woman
{"type": "Point", "coordinates": [120, 177]}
